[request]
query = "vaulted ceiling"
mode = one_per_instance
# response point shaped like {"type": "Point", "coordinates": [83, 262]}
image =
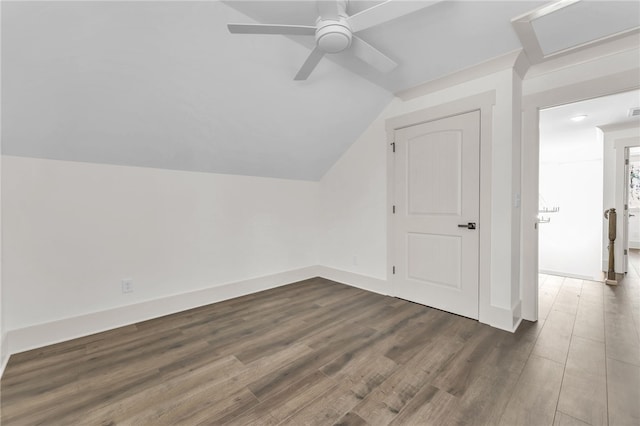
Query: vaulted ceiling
{"type": "Point", "coordinates": [164, 84]}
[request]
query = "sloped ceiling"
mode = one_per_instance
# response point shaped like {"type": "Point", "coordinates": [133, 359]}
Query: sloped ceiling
{"type": "Point", "coordinates": [163, 84]}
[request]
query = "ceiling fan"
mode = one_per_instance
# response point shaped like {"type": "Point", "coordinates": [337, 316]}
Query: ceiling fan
{"type": "Point", "coordinates": [334, 31]}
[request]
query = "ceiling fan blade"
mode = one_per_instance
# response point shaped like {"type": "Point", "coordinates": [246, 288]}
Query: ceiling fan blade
{"type": "Point", "coordinates": [371, 55]}
{"type": "Point", "coordinates": [309, 64]}
{"type": "Point", "coordinates": [271, 29]}
{"type": "Point", "coordinates": [386, 11]}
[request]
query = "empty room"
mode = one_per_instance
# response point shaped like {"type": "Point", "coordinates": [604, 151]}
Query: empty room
{"type": "Point", "coordinates": [300, 212]}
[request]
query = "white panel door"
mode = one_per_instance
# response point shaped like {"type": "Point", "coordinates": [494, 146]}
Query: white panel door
{"type": "Point", "coordinates": [437, 197]}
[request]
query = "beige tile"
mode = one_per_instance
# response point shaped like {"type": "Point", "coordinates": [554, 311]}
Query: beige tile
{"type": "Point", "coordinates": [535, 396]}
{"type": "Point", "coordinates": [553, 341]}
{"type": "Point", "coordinates": [623, 382]}
{"type": "Point", "coordinates": [567, 300]}
{"type": "Point", "coordinates": [584, 396]}
{"type": "Point", "coordinates": [584, 385]}
{"type": "Point", "coordinates": [566, 420]}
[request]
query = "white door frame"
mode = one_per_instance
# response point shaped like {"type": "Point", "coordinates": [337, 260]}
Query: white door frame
{"type": "Point", "coordinates": [622, 198]}
{"type": "Point", "coordinates": [531, 106]}
{"type": "Point", "coordinates": [484, 103]}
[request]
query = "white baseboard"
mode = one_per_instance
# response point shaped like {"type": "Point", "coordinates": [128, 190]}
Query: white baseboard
{"type": "Point", "coordinates": [375, 285]}
{"type": "Point", "coordinates": [504, 319]}
{"type": "Point", "coordinates": [4, 353]}
{"type": "Point", "coordinates": [568, 275]}
{"type": "Point", "coordinates": [40, 335]}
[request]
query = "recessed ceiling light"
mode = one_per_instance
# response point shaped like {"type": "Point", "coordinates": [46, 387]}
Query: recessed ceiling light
{"type": "Point", "coordinates": [578, 118]}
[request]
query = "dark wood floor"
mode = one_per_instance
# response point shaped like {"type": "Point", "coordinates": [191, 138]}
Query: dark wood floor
{"type": "Point", "coordinates": [318, 352]}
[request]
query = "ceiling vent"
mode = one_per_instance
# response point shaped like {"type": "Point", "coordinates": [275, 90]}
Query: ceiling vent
{"type": "Point", "coordinates": [634, 112]}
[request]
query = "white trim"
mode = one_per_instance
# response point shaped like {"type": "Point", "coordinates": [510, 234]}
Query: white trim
{"type": "Point", "coordinates": [615, 127]}
{"type": "Point", "coordinates": [484, 102]}
{"type": "Point", "coordinates": [515, 59]}
{"type": "Point", "coordinates": [4, 359]}
{"type": "Point", "coordinates": [504, 319]}
{"type": "Point", "coordinates": [621, 243]}
{"type": "Point", "coordinates": [625, 45]}
{"type": "Point", "coordinates": [374, 285]}
{"type": "Point", "coordinates": [529, 39]}
{"type": "Point", "coordinates": [39, 335]}
{"type": "Point", "coordinates": [568, 275]}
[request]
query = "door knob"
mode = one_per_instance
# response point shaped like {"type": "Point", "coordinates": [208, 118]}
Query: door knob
{"type": "Point", "coordinates": [470, 225]}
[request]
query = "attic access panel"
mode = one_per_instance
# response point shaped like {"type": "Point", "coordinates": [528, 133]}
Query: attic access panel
{"type": "Point", "coordinates": [570, 25]}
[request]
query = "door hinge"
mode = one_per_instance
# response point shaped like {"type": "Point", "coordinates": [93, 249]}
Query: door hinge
{"type": "Point", "coordinates": [626, 161]}
{"type": "Point", "coordinates": [393, 145]}
{"type": "Point", "coordinates": [393, 270]}
{"type": "Point", "coordinates": [626, 206]}
{"type": "Point", "coordinates": [625, 253]}
{"type": "Point", "coordinates": [394, 209]}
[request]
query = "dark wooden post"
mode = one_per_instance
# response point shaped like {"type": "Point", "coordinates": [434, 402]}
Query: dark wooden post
{"type": "Point", "coordinates": [611, 272]}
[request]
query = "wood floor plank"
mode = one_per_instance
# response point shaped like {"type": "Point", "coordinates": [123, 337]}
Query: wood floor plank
{"type": "Point", "coordinates": [334, 404]}
{"type": "Point", "coordinates": [159, 394]}
{"type": "Point", "coordinates": [351, 419]}
{"type": "Point", "coordinates": [385, 402]}
{"type": "Point", "coordinates": [456, 376]}
{"type": "Point", "coordinates": [283, 404]}
{"type": "Point", "coordinates": [431, 406]}
{"type": "Point", "coordinates": [280, 337]}
{"type": "Point", "coordinates": [279, 379]}
{"type": "Point", "coordinates": [485, 399]}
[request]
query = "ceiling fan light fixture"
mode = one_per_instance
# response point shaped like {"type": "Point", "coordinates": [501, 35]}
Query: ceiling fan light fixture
{"type": "Point", "coordinates": [333, 36]}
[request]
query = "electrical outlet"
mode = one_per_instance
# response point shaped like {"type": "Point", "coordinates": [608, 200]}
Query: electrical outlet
{"type": "Point", "coordinates": [127, 285]}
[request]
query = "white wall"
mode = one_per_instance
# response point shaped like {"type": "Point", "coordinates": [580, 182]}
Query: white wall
{"type": "Point", "coordinates": [354, 200]}
{"type": "Point", "coordinates": [571, 179]}
{"type": "Point", "coordinates": [73, 231]}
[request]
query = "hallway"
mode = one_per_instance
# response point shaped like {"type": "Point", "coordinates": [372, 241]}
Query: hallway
{"type": "Point", "coordinates": [593, 330]}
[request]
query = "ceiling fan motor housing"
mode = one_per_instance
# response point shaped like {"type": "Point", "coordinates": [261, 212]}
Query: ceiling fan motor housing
{"type": "Point", "coordinates": [333, 35]}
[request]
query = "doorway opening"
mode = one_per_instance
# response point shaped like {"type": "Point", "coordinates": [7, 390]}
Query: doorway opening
{"type": "Point", "coordinates": [579, 178]}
